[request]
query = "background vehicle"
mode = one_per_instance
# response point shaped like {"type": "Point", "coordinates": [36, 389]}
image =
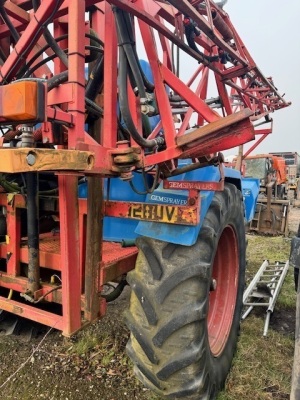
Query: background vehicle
{"type": "Point", "coordinates": [270, 170]}
{"type": "Point", "coordinates": [272, 208]}
{"type": "Point", "coordinates": [102, 151]}
{"type": "Point", "coordinates": [292, 160]}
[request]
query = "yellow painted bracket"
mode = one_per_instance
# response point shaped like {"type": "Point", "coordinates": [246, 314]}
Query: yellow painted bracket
{"type": "Point", "coordinates": [27, 159]}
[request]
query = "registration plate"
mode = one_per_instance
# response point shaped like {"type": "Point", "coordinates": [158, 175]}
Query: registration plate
{"type": "Point", "coordinates": [183, 215]}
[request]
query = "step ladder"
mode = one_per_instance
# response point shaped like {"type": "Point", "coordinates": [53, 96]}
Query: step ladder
{"type": "Point", "coordinates": [264, 289]}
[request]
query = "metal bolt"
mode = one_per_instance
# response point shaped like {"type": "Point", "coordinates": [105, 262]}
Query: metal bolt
{"type": "Point", "coordinates": [191, 202]}
{"type": "Point", "coordinates": [31, 158]}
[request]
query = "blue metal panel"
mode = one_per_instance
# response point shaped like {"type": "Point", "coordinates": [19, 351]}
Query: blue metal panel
{"type": "Point", "coordinates": [250, 188]}
{"type": "Point", "coordinates": [179, 234]}
{"type": "Point", "coordinates": [119, 229]}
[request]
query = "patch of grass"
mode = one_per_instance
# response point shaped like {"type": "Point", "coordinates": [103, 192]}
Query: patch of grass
{"type": "Point", "coordinates": [262, 367]}
{"type": "Point", "coordinates": [273, 249]}
{"type": "Point", "coordinates": [287, 296]}
{"type": "Point", "coordinates": [85, 343]}
{"type": "Point", "coordinates": [262, 248]}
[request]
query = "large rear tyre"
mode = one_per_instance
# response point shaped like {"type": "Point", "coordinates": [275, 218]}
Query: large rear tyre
{"type": "Point", "coordinates": [186, 304]}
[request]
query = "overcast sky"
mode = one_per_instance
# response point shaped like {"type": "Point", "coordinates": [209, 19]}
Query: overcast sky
{"type": "Point", "coordinates": [270, 30]}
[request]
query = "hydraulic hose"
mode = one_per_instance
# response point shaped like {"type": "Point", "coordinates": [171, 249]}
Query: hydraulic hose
{"type": "Point", "coordinates": [50, 39]}
{"type": "Point", "coordinates": [46, 47]}
{"type": "Point", "coordinates": [56, 80]}
{"type": "Point", "coordinates": [148, 190]}
{"type": "Point", "coordinates": [126, 39]}
{"type": "Point", "coordinates": [6, 19]}
{"type": "Point", "coordinates": [116, 292]}
{"type": "Point", "coordinates": [96, 79]}
{"type": "Point", "coordinates": [126, 42]}
{"type": "Point", "coordinates": [127, 59]}
{"type": "Point", "coordinates": [149, 86]}
{"type": "Point", "coordinates": [123, 72]}
{"type": "Point", "coordinates": [63, 77]}
{"type": "Point", "coordinates": [44, 61]}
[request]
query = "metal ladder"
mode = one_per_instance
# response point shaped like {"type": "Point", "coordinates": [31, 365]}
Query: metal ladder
{"type": "Point", "coordinates": [264, 289]}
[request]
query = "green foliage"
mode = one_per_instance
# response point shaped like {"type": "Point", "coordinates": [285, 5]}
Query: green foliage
{"type": "Point", "coordinates": [85, 344]}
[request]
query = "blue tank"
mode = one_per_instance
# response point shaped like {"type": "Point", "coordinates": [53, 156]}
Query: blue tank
{"type": "Point", "coordinates": [119, 229]}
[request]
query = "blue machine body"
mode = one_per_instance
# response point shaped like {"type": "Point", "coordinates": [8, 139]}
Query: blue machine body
{"type": "Point", "coordinates": [124, 229]}
{"type": "Point", "coordinates": [119, 229]}
{"type": "Point", "coordinates": [250, 190]}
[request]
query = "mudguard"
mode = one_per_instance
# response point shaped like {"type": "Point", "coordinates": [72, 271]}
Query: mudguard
{"type": "Point", "coordinates": [181, 234]}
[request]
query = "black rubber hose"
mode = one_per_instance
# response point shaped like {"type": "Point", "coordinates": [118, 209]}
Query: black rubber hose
{"type": "Point", "coordinates": [50, 39]}
{"type": "Point", "coordinates": [56, 80]}
{"type": "Point", "coordinates": [2, 56]}
{"type": "Point", "coordinates": [46, 47]}
{"type": "Point", "coordinates": [21, 55]}
{"type": "Point", "coordinates": [38, 65]}
{"type": "Point", "coordinates": [36, 56]}
{"type": "Point", "coordinates": [123, 100]}
{"type": "Point", "coordinates": [47, 59]}
{"type": "Point", "coordinates": [116, 292]}
{"type": "Point", "coordinates": [125, 41]}
{"type": "Point", "coordinates": [96, 79]}
{"type": "Point", "coordinates": [6, 19]}
{"type": "Point", "coordinates": [93, 108]}
{"type": "Point", "coordinates": [62, 77]}
{"type": "Point", "coordinates": [149, 86]}
{"type": "Point", "coordinates": [147, 190]}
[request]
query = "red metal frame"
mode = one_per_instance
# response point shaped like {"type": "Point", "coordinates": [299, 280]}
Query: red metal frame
{"type": "Point", "coordinates": [244, 95]}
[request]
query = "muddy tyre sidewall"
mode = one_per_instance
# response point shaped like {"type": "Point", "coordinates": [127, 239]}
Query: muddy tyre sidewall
{"type": "Point", "coordinates": [168, 316]}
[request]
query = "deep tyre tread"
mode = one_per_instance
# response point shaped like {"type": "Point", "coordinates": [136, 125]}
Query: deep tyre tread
{"type": "Point", "coordinates": [172, 315]}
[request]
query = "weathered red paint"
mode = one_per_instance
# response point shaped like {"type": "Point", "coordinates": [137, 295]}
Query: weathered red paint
{"type": "Point", "coordinates": [64, 254]}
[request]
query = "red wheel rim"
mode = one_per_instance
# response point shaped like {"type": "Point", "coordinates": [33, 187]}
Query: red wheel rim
{"type": "Point", "coordinates": [222, 300]}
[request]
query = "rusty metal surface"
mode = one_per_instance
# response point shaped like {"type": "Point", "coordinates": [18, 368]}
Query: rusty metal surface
{"type": "Point", "coordinates": [33, 313]}
{"type": "Point", "coordinates": [23, 160]}
{"type": "Point", "coordinates": [208, 129]}
{"type": "Point", "coordinates": [93, 252]}
{"type": "Point", "coordinates": [270, 218]}
{"type": "Point", "coordinates": [113, 252]}
{"type": "Point", "coordinates": [50, 244]}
